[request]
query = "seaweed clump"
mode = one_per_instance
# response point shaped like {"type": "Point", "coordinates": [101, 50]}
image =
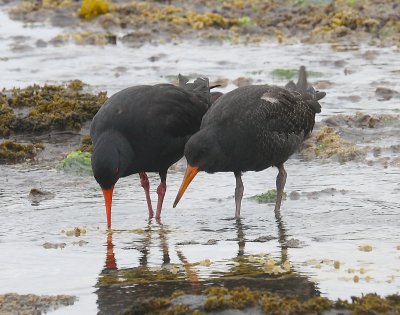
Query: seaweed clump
{"type": "Point", "coordinates": [337, 21]}
{"type": "Point", "coordinates": [48, 107]}
{"type": "Point", "coordinates": [371, 303]}
{"type": "Point", "coordinates": [12, 303]}
{"type": "Point", "coordinates": [238, 298]}
{"type": "Point", "coordinates": [86, 144]}
{"type": "Point", "coordinates": [141, 275]}
{"type": "Point", "coordinates": [78, 162]}
{"type": "Point", "coordinates": [92, 8]}
{"type": "Point", "coordinates": [221, 299]}
{"type": "Point", "coordinates": [12, 152]}
{"type": "Point", "coordinates": [268, 197]}
{"type": "Point", "coordinates": [85, 38]}
{"type": "Point", "coordinates": [328, 143]}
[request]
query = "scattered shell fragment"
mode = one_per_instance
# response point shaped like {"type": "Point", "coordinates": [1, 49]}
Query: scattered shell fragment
{"type": "Point", "coordinates": [75, 231]}
{"type": "Point", "coordinates": [365, 248]}
{"type": "Point", "coordinates": [80, 243]}
{"type": "Point", "coordinates": [205, 263]}
{"type": "Point", "coordinates": [48, 245]}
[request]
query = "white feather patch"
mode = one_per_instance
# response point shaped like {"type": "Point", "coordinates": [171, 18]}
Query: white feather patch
{"type": "Point", "coordinates": [270, 99]}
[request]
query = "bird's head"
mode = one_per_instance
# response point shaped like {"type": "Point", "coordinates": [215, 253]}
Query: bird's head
{"type": "Point", "coordinates": [106, 165]}
{"type": "Point", "coordinates": [106, 171]}
{"type": "Point", "coordinates": [203, 153]}
{"type": "Point", "coordinates": [110, 159]}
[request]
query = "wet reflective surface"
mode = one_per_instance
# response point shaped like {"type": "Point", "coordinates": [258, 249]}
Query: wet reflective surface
{"type": "Point", "coordinates": [341, 233]}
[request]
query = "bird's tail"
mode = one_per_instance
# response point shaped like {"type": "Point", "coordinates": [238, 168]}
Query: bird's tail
{"type": "Point", "coordinates": [306, 90]}
{"type": "Point", "coordinates": [200, 87]}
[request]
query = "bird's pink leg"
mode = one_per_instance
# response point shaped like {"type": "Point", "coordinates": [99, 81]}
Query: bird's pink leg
{"type": "Point", "coordinates": [144, 181]}
{"type": "Point", "coordinates": [280, 185]}
{"type": "Point", "coordinates": [161, 189]}
{"type": "Point", "coordinates": [238, 194]}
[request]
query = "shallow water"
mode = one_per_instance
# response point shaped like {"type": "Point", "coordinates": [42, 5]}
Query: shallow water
{"type": "Point", "coordinates": [359, 206]}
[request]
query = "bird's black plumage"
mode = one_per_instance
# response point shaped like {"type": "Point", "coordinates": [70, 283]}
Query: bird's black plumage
{"type": "Point", "coordinates": [144, 129]}
{"type": "Point", "coordinates": [254, 127]}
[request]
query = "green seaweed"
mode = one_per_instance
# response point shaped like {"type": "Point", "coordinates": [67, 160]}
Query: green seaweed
{"type": "Point", "coordinates": [78, 162]}
{"type": "Point", "coordinates": [268, 197]}
{"type": "Point", "coordinates": [244, 20]}
{"type": "Point", "coordinates": [290, 74]}
{"type": "Point", "coordinates": [287, 74]}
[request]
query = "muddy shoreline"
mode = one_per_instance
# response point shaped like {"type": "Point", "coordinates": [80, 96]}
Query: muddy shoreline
{"type": "Point", "coordinates": [135, 23]}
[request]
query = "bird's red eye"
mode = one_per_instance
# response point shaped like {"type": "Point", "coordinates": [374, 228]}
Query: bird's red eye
{"type": "Point", "coordinates": [117, 170]}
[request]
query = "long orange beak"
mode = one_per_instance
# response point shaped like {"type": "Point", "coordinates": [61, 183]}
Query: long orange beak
{"type": "Point", "coordinates": [107, 193]}
{"type": "Point", "coordinates": [190, 173]}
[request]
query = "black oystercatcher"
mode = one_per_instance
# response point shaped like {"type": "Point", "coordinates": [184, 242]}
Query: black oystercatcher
{"type": "Point", "coordinates": [144, 129]}
{"type": "Point", "coordinates": [250, 129]}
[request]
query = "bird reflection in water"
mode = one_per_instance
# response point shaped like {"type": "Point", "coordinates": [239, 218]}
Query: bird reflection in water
{"type": "Point", "coordinates": [125, 289]}
{"type": "Point", "coordinates": [111, 263]}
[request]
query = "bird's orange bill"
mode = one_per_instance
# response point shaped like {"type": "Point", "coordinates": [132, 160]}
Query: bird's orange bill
{"type": "Point", "coordinates": [190, 173]}
{"type": "Point", "coordinates": [107, 193]}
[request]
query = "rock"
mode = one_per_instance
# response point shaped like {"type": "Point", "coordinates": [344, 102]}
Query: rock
{"type": "Point", "coordinates": [294, 243]}
{"type": "Point", "coordinates": [222, 82]}
{"type": "Point", "coordinates": [211, 242]}
{"type": "Point", "coordinates": [136, 39]}
{"type": "Point", "coordinates": [63, 20]}
{"type": "Point", "coordinates": [322, 85]}
{"type": "Point", "coordinates": [385, 94]}
{"type": "Point", "coordinates": [250, 30]}
{"type": "Point", "coordinates": [40, 43]}
{"type": "Point", "coordinates": [350, 98]}
{"type": "Point", "coordinates": [21, 48]}
{"type": "Point", "coordinates": [12, 303]}
{"type": "Point", "coordinates": [37, 195]}
{"type": "Point", "coordinates": [157, 57]}
{"type": "Point", "coordinates": [48, 245]}
{"type": "Point", "coordinates": [263, 239]}
{"type": "Point", "coordinates": [370, 54]}
{"type": "Point", "coordinates": [188, 243]}
{"type": "Point", "coordinates": [294, 195]}
{"type": "Point", "coordinates": [242, 81]}
{"type": "Point", "coordinates": [339, 63]}
{"type": "Point", "coordinates": [80, 243]}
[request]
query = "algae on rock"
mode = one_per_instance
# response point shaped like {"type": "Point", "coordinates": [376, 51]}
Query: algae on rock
{"type": "Point", "coordinates": [327, 143]}
{"type": "Point", "coordinates": [49, 107]}
{"type": "Point", "coordinates": [12, 152]}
